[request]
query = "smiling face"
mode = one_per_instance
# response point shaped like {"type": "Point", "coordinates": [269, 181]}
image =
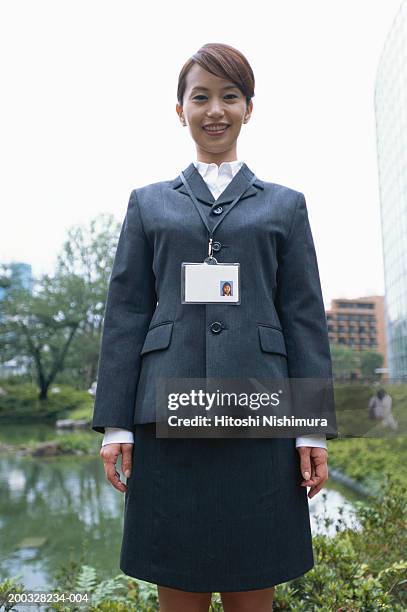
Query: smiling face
{"type": "Point", "coordinates": [214, 109]}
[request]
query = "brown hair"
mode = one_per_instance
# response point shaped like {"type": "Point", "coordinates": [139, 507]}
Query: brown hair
{"type": "Point", "coordinates": [223, 61]}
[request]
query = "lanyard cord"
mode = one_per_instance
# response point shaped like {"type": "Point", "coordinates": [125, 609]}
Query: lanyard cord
{"type": "Point", "coordinates": [197, 206]}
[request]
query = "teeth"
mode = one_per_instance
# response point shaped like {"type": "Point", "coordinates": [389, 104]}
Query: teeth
{"type": "Point", "coordinates": [215, 128]}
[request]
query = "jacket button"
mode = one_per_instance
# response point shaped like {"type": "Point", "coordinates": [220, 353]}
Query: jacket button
{"type": "Point", "coordinates": [216, 246]}
{"type": "Point", "coordinates": [218, 210]}
{"type": "Point", "coordinates": [216, 327]}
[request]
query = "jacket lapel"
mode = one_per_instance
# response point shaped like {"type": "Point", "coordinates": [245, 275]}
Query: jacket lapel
{"type": "Point", "coordinates": [237, 186]}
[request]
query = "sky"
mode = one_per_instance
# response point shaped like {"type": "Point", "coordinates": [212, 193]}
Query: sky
{"type": "Point", "coordinates": [87, 115]}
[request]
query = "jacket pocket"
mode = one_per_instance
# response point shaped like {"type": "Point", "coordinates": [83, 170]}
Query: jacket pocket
{"type": "Point", "coordinates": [158, 337]}
{"type": "Point", "coordinates": [272, 340]}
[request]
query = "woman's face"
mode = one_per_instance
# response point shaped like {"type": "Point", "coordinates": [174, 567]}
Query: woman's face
{"type": "Point", "coordinates": [209, 99]}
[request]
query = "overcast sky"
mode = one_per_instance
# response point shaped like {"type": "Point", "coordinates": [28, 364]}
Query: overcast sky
{"type": "Point", "coordinates": [88, 114]}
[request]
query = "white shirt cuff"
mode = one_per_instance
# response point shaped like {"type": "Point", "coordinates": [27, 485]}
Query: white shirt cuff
{"type": "Point", "coordinates": [117, 436]}
{"type": "Point", "coordinates": [314, 440]}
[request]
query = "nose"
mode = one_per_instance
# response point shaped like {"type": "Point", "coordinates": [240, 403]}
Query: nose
{"type": "Point", "coordinates": [215, 109]}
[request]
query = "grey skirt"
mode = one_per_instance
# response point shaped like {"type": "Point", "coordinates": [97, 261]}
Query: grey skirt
{"type": "Point", "coordinates": [215, 515]}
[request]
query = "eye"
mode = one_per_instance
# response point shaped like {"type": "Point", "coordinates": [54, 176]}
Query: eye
{"type": "Point", "coordinates": [201, 97]}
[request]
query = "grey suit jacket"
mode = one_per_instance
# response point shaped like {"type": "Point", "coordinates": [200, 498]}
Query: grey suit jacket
{"type": "Point", "coordinates": [278, 330]}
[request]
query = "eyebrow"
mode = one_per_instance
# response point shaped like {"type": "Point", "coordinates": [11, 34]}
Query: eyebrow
{"type": "Point", "coordinates": [206, 88]}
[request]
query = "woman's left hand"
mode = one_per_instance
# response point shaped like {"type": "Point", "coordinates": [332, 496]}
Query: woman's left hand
{"type": "Point", "coordinates": [314, 468]}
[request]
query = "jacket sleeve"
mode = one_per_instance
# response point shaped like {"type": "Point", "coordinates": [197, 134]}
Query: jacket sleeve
{"type": "Point", "coordinates": [300, 307]}
{"type": "Point", "coordinates": [130, 304]}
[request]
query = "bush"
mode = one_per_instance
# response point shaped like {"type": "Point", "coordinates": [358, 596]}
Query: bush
{"type": "Point", "coordinates": [21, 403]}
{"type": "Point", "coordinates": [79, 441]}
{"type": "Point", "coordinates": [357, 570]}
{"type": "Point", "coordinates": [368, 459]}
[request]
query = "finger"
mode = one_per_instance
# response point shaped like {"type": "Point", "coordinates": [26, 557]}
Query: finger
{"type": "Point", "coordinates": [319, 471]}
{"type": "Point", "coordinates": [314, 476]}
{"type": "Point", "coordinates": [315, 481]}
{"type": "Point", "coordinates": [319, 474]}
{"type": "Point", "coordinates": [127, 459]}
{"type": "Point", "coordinates": [109, 454]}
{"type": "Point", "coordinates": [315, 490]}
{"type": "Point", "coordinates": [118, 484]}
{"type": "Point", "coordinates": [319, 480]}
{"type": "Point", "coordinates": [312, 482]}
{"type": "Point", "coordinates": [308, 482]}
{"type": "Point", "coordinates": [305, 462]}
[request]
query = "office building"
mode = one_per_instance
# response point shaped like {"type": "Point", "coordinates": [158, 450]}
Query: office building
{"type": "Point", "coordinates": [390, 101]}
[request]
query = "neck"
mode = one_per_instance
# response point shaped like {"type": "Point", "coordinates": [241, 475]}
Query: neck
{"type": "Point", "coordinates": [216, 158]}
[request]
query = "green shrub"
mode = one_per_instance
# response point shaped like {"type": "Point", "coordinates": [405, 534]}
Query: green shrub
{"type": "Point", "coordinates": [11, 585]}
{"type": "Point", "coordinates": [357, 570]}
{"type": "Point", "coordinates": [21, 403]}
{"type": "Point", "coordinates": [367, 459]}
{"type": "Point", "coordinates": [83, 441]}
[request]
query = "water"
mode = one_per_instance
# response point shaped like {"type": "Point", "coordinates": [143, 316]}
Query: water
{"type": "Point", "coordinates": [333, 502]}
{"type": "Point", "coordinates": [68, 503]}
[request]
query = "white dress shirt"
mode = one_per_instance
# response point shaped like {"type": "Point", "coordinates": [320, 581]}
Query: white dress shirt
{"type": "Point", "coordinates": [217, 178]}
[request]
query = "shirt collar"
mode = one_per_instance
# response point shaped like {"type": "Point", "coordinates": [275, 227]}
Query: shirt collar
{"type": "Point", "coordinates": [225, 169]}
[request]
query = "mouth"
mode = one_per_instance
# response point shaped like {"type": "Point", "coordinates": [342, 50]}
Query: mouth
{"type": "Point", "coordinates": [215, 129]}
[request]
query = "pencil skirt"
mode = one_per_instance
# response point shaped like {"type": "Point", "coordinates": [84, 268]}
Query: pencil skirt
{"type": "Point", "coordinates": [215, 514]}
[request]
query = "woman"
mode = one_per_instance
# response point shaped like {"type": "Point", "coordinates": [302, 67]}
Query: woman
{"type": "Point", "coordinates": [207, 515]}
{"type": "Point", "coordinates": [226, 289]}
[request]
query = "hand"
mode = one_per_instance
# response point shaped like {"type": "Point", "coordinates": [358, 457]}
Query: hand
{"type": "Point", "coordinates": [109, 454]}
{"type": "Point", "coordinates": [314, 468]}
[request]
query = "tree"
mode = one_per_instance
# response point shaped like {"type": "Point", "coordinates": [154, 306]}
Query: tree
{"type": "Point", "coordinates": [369, 361]}
{"type": "Point", "coordinates": [345, 361]}
{"type": "Point", "coordinates": [63, 311]}
{"type": "Point", "coordinates": [89, 252]}
{"type": "Point", "coordinates": [42, 324]}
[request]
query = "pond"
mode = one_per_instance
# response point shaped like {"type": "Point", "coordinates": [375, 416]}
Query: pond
{"type": "Point", "coordinates": [57, 509]}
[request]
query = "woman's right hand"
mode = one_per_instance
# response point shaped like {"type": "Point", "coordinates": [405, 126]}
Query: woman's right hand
{"type": "Point", "coordinates": [109, 454]}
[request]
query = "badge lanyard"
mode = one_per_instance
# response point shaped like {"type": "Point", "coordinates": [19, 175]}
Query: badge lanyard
{"type": "Point", "coordinates": [210, 281]}
{"type": "Point", "coordinates": [201, 214]}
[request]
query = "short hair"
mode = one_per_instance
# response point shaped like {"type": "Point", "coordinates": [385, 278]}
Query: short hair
{"type": "Point", "coordinates": [223, 61]}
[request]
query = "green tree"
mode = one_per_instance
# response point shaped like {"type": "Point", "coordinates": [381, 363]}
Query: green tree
{"type": "Point", "coordinates": [345, 361]}
{"type": "Point", "coordinates": [57, 325]}
{"type": "Point", "coordinates": [88, 252]}
{"type": "Point", "coordinates": [41, 325]}
{"type": "Point", "coordinates": [369, 361]}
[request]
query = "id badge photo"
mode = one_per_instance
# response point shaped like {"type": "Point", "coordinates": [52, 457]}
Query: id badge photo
{"type": "Point", "coordinates": [210, 283]}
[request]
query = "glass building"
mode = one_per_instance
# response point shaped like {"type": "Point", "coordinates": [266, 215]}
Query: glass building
{"type": "Point", "coordinates": [390, 101]}
{"type": "Point", "coordinates": [19, 275]}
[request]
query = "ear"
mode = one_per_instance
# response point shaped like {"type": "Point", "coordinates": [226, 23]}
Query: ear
{"type": "Point", "coordinates": [249, 111]}
{"type": "Point", "coordinates": [180, 114]}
